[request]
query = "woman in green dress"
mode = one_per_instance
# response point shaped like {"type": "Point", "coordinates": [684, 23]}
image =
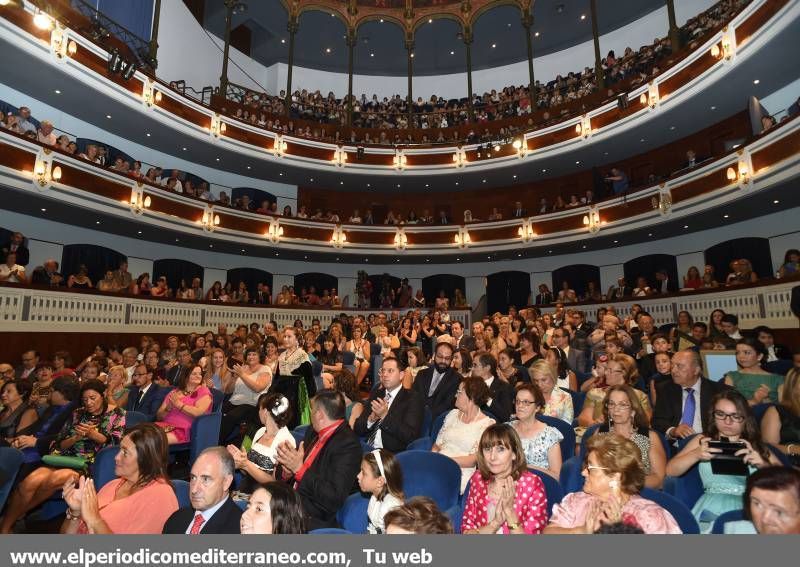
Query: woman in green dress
{"type": "Point", "coordinates": [751, 380]}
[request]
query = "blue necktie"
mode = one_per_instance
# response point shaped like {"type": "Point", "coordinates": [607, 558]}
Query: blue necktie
{"type": "Point", "coordinates": [688, 408]}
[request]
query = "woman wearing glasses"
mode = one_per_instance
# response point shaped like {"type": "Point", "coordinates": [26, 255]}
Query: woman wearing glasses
{"type": "Point", "coordinates": [614, 477]}
{"type": "Point", "coordinates": [730, 419]}
{"type": "Point", "coordinates": [540, 442]}
{"type": "Point", "coordinates": [624, 416]}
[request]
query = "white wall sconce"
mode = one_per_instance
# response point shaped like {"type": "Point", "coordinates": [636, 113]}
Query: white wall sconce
{"type": "Point", "coordinates": [218, 127]}
{"type": "Point", "coordinates": [462, 238]}
{"type": "Point", "coordinates": [460, 157]}
{"type": "Point", "coordinates": [400, 239]}
{"type": "Point", "coordinates": [210, 220]}
{"type": "Point", "coordinates": [280, 146]}
{"type": "Point", "coordinates": [150, 96]}
{"type": "Point", "coordinates": [339, 157]}
{"type": "Point", "coordinates": [521, 147]}
{"type": "Point", "coordinates": [139, 201]}
{"type": "Point", "coordinates": [60, 44]}
{"type": "Point", "coordinates": [338, 238]}
{"type": "Point", "coordinates": [591, 220]}
{"type": "Point", "coordinates": [662, 201]}
{"type": "Point", "coordinates": [526, 231]}
{"type": "Point", "coordinates": [651, 97]}
{"type": "Point", "coordinates": [274, 231]}
{"type": "Point", "coordinates": [584, 127]}
{"type": "Point", "coordinates": [399, 161]}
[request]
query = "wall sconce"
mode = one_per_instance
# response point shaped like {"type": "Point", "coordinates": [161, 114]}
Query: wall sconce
{"type": "Point", "coordinates": [44, 172]}
{"type": "Point", "coordinates": [462, 238]}
{"type": "Point", "coordinates": [400, 239]}
{"type": "Point", "coordinates": [460, 157]}
{"type": "Point", "coordinates": [150, 96]}
{"type": "Point", "coordinates": [60, 45]}
{"type": "Point", "coordinates": [592, 220]}
{"type": "Point", "coordinates": [43, 21]}
{"type": "Point", "coordinates": [526, 231]}
{"type": "Point", "coordinates": [139, 202]}
{"type": "Point", "coordinates": [338, 238]}
{"type": "Point", "coordinates": [650, 98]}
{"type": "Point", "coordinates": [339, 157]}
{"type": "Point", "coordinates": [742, 171]}
{"type": "Point", "coordinates": [521, 147]}
{"type": "Point", "coordinates": [400, 161]}
{"type": "Point", "coordinates": [280, 146]}
{"type": "Point", "coordinates": [663, 201]}
{"type": "Point", "coordinates": [210, 221]}
{"type": "Point", "coordinates": [584, 127]}
{"type": "Point", "coordinates": [217, 127]}
{"type": "Point", "coordinates": [726, 47]}
{"type": "Point", "coordinates": [274, 231]}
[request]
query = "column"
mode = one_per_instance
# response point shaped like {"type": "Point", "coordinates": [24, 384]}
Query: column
{"type": "Point", "coordinates": [475, 289]}
{"type": "Point", "coordinates": [351, 44]}
{"type": "Point", "coordinates": [292, 26]}
{"type": "Point", "coordinates": [674, 32]}
{"type": "Point", "coordinates": [468, 44]}
{"type": "Point", "coordinates": [685, 261]}
{"type": "Point", "coordinates": [223, 80]}
{"type": "Point", "coordinates": [598, 67]}
{"type": "Point", "coordinates": [153, 46]}
{"type": "Point", "coordinates": [527, 25]}
{"type": "Point", "coordinates": [410, 97]}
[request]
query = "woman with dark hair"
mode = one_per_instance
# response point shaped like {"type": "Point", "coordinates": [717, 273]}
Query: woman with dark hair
{"type": "Point", "coordinates": [730, 419]}
{"type": "Point", "coordinates": [494, 343]}
{"type": "Point", "coordinates": [273, 508]}
{"type": "Point", "coordinates": [270, 350]}
{"type": "Point", "coordinates": [344, 382]}
{"type": "Point", "coordinates": [504, 497]}
{"type": "Point", "coordinates": [692, 279]}
{"type": "Point", "coordinates": [17, 413]}
{"type": "Point", "coordinates": [715, 330]}
{"type": "Point", "coordinates": [330, 357]}
{"type": "Point", "coordinates": [94, 425]}
{"type": "Point", "coordinates": [780, 425]}
{"type": "Point", "coordinates": [507, 371]}
{"type": "Point", "coordinates": [188, 401]}
{"type": "Point", "coordinates": [415, 363]}
{"type": "Point", "coordinates": [501, 394]}
{"type": "Point", "coordinates": [80, 280]}
{"type": "Point", "coordinates": [259, 462]}
{"type": "Point", "coordinates": [751, 380]}
{"type": "Point", "coordinates": [529, 349]}
{"type": "Point", "coordinates": [252, 380]}
{"type": "Point", "coordinates": [359, 346]}
{"type": "Point", "coordinates": [623, 415]}
{"type": "Point", "coordinates": [772, 502]}
{"type": "Point", "coordinates": [462, 362]}
{"type": "Point", "coordinates": [463, 426]}
{"type": "Point", "coordinates": [791, 263]}
{"type": "Point", "coordinates": [540, 442]}
{"type": "Point", "coordinates": [138, 501]}
{"type": "Point", "coordinates": [295, 377]}
{"type": "Point", "coordinates": [408, 334]}
{"type": "Point", "coordinates": [557, 358]}
{"type": "Point", "coordinates": [215, 292]}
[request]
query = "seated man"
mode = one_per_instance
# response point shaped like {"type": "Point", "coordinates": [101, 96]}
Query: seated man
{"type": "Point", "coordinates": [394, 417]}
{"type": "Point", "coordinates": [212, 510]}
{"type": "Point", "coordinates": [145, 396]}
{"type": "Point", "coordinates": [324, 467]}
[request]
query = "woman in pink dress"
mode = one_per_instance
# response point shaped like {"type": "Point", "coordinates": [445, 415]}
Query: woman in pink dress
{"type": "Point", "coordinates": [182, 405]}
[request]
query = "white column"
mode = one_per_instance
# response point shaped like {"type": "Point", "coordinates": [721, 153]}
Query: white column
{"type": "Point", "coordinates": [40, 251]}
{"type": "Point", "coordinates": [539, 278]}
{"type": "Point", "coordinates": [686, 261]}
{"type": "Point", "coordinates": [211, 275]}
{"type": "Point", "coordinates": [415, 283]}
{"type": "Point", "coordinates": [139, 266]}
{"type": "Point", "coordinates": [280, 280]}
{"type": "Point", "coordinates": [476, 288]}
{"type": "Point", "coordinates": [609, 275]}
{"type": "Point", "coordinates": [347, 287]}
{"type": "Point", "coordinates": [778, 246]}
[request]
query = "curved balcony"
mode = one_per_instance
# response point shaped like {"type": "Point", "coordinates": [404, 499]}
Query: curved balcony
{"type": "Point", "coordinates": [736, 44]}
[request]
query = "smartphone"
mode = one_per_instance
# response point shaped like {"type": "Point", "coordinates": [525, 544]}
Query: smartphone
{"type": "Point", "coordinates": [726, 462]}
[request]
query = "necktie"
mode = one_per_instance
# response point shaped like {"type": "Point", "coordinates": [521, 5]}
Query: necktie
{"type": "Point", "coordinates": [688, 408]}
{"type": "Point", "coordinates": [197, 524]}
{"type": "Point", "coordinates": [141, 397]}
{"type": "Point", "coordinates": [434, 383]}
{"type": "Point", "coordinates": [377, 425]}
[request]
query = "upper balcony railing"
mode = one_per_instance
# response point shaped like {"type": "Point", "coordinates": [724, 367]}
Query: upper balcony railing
{"type": "Point", "coordinates": [88, 62]}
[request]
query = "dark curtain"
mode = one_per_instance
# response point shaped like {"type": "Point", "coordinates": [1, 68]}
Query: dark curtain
{"type": "Point", "coordinates": [507, 288]}
{"type": "Point", "coordinates": [134, 15]}
{"type": "Point", "coordinates": [377, 285]}
{"type": "Point", "coordinates": [98, 259]}
{"type": "Point", "coordinates": [647, 266]}
{"type": "Point", "coordinates": [256, 195]}
{"type": "Point", "coordinates": [176, 270]}
{"type": "Point", "coordinates": [752, 248]}
{"type": "Point", "coordinates": [319, 281]}
{"type": "Point", "coordinates": [577, 275]}
{"type": "Point", "coordinates": [447, 282]}
{"type": "Point", "coordinates": [251, 277]}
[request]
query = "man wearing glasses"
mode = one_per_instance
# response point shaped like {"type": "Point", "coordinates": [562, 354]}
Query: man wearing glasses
{"type": "Point", "coordinates": [438, 384]}
{"type": "Point", "coordinates": [30, 359]}
{"type": "Point", "coordinates": [682, 405]}
{"type": "Point", "coordinates": [145, 397]}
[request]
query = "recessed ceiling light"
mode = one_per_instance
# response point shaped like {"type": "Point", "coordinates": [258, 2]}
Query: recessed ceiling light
{"type": "Point", "coordinates": [642, 140]}
{"type": "Point", "coordinates": [211, 246]}
{"type": "Point", "coordinates": [283, 41]}
{"type": "Point", "coordinates": [756, 82]}
{"type": "Point", "coordinates": [140, 232]}
{"type": "Point", "coordinates": [412, 56]}
{"type": "Point", "coordinates": [519, 255]}
{"type": "Point", "coordinates": [484, 181]}
{"type": "Point", "coordinates": [544, 171]}
{"type": "Point", "coordinates": [452, 53]}
{"type": "Point", "coordinates": [713, 108]}
{"type": "Point", "coordinates": [366, 259]}
{"type": "Point", "coordinates": [305, 257]}
{"type": "Point", "coordinates": [327, 50]}
{"type": "Point", "coordinates": [177, 240]}
{"type": "Point", "coordinates": [372, 55]}
{"type": "Point", "coordinates": [148, 134]}
{"type": "Point", "coordinates": [458, 259]}
{"type": "Point", "coordinates": [686, 226]}
{"type": "Point", "coordinates": [494, 45]}
{"type": "Point", "coordinates": [341, 183]}
{"type": "Point", "coordinates": [217, 159]}
{"type": "Point", "coordinates": [276, 253]}
{"type": "Point", "coordinates": [184, 149]}
{"type": "Point", "coordinates": [584, 247]}
{"type": "Point", "coordinates": [774, 202]}
{"type": "Point", "coordinates": [515, 177]}
{"type": "Point", "coordinates": [97, 222]}
{"type": "Point", "coordinates": [427, 185]}
{"type": "Point", "coordinates": [44, 210]}
{"type": "Point", "coordinates": [311, 180]}
{"type": "Point", "coordinates": [536, 34]}
{"type": "Point", "coordinates": [243, 250]}
{"type": "Point", "coordinates": [616, 241]}
{"type": "Point", "coordinates": [381, 22]}
{"type": "Point", "coordinates": [248, 167]}
{"type": "Point", "coordinates": [398, 186]}
{"type": "Point", "coordinates": [649, 234]}
{"type": "Point", "coordinates": [369, 184]}
{"type": "Point", "coordinates": [549, 251]}
{"type": "Point", "coordinates": [281, 174]}
{"type": "Point", "coordinates": [725, 216]}
{"type": "Point", "coordinates": [427, 259]}
{"type": "Point", "coordinates": [430, 20]}
{"type": "Point", "coordinates": [456, 183]}
{"type": "Point", "coordinates": [57, 91]}
{"type": "Point", "coordinates": [583, 16]}
{"type": "Point", "coordinates": [672, 127]}
{"type": "Point", "coordinates": [578, 162]}
{"type": "Point", "coordinates": [108, 116]}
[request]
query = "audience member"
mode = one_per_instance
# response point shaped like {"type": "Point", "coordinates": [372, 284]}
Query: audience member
{"type": "Point", "coordinates": [273, 508]}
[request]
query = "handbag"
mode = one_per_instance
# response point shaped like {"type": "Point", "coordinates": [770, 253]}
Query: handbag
{"type": "Point", "coordinates": [65, 462]}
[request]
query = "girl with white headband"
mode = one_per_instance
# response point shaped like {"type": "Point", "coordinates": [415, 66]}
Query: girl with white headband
{"type": "Point", "coordinates": [381, 477]}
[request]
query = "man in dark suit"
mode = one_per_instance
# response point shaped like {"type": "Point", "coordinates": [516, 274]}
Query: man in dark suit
{"type": "Point", "coordinates": [145, 396]}
{"type": "Point", "coordinates": [619, 291]}
{"type": "Point", "coordinates": [462, 340]}
{"type": "Point", "coordinates": [16, 244]}
{"type": "Point", "coordinates": [438, 384]}
{"type": "Point", "coordinates": [325, 465]}
{"type": "Point", "coordinates": [519, 212]}
{"type": "Point", "coordinates": [545, 296]}
{"type": "Point", "coordinates": [393, 417]}
{"type": "Point", "coordinates": [182, 365]}
{"type": "Point", "coordinates": [664, 284]}
{"type": "Point", "coordinates": [576, 359]}
{"type": "Point", "coordinates": [682, 405]}
{"type": "Point", "coordinates": [212, 510]}
{"type": "Point", "coordinates": [501, 393]}
{"type": "Point", "coordinates": [262, 296]}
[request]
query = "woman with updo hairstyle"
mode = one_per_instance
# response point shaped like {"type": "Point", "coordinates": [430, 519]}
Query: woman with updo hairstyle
{"type": "Point", "coordinates": [620, 370]}
{"type": "Point", "coordinates": [529, 348]}
{"type": "Point", "coordinates": [613, 477]}
{"type": "Point", "coordinates": [420, 515]}
{"type": "Point", "coordinates": [751, 380]}
{"type": "Point", "coordinates": [258, 463]}
{"type": "Point", "coordinates": [557, 402]}
{"type": "Point", "coordinates": [273, 508]}
{"type": "Point", "coordinates": [344, 382]}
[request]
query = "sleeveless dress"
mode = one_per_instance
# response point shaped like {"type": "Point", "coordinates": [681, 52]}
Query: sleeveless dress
{"type": "Point", "coordinates": [721, 493]}
{"type": "Point", "coordinates": [747, 384]}
{"type": "Point", "coordinates": [536, 448]}
{"type": "Point", "coordinates": [180, 423]}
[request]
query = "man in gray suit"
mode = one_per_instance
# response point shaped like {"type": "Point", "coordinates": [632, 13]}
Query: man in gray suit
{"type": "Point", "coordinates": [462, 340]}
{"type": "Point", "coordinates": [576, 359]}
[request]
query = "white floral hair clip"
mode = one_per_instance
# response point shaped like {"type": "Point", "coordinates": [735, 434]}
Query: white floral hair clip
{"type": "Point", "coordinates": [281, 406]}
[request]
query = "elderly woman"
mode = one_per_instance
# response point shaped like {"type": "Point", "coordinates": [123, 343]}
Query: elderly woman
{"type": "Point", "coordinates": [252, 380]}
{"type": "Point", "coordinates": [295, 378]}
{"type": "Point", "coordinates": [623, 415]}
{"type": "Point", "coordinates": [258, 463]}
{"type": "Point", "coordinates": [613, 477]}
{"type": "Point", "coordinates": [463, 427]}
{"type": "Point", "coordinates": [273, 509]}
{"type": "Point", "coordinates": [188, 401]}
{"type": "Point", "coordinates": [729, 417]}
{"type": "Point", "coordinates": [557, 402]}
{"type": "Point", "coordinates": [17, 413]}
{"type": "Point", "coordinates": [540, 442]}
{"type": "Point", "coordinates": [751, 380]}
{"type": "Point", "coordinates": [93, 426]}
{"type": "Point", "coordinates": [138, 501]}
{"type": "Point", "coordinates": [504, 497]}
{"type": "Point", "coordinates": [620, 370]}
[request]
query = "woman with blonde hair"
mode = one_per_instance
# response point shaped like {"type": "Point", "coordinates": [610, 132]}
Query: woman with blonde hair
{"type": "Point", "coordinates": [116, 392]}
{"type": "Point", "coordinates": [217, 374]}
{"type": "Point", "coordinates": [620, 370]}
{"type": "Point", "coordinates": [557, 402]}
{"type": "Point", "coordinates": [780, 425]}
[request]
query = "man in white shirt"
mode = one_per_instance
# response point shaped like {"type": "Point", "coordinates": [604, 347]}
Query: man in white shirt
{"type": "Point", "coordinates": [178, 187]}
{"type": "Point", "coordinates": [45, 134]}
{"type": "Point", "coordinates": [12, 272]}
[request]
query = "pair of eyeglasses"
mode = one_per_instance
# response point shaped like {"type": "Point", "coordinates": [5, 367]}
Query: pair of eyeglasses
{"type": "Point", "coordinates": [734, 417]}
{"type": "Point", "coordinates": [621, 405]}
{"type": "Point", "coordinates": [591, 468]}
{"type": "Point", "coordinates": [524, 403]}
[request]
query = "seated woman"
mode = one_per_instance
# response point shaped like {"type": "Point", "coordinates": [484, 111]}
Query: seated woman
{"type": "Point", "coordinates": [623, 416]}
{"type": "Point", "coordinates": [557, 358]}
{"type": "Point", "coordinates": [504, 497]}
{"type": "Point", "coordinates": [416, 362]}
{"type": "Point", "coordinates": [217, 374]}
{"type": "Point", "coordinates": [692, 279]}
{"type": "Point", "coordinates": [463, 427]}
{"type": "Point", "coordinates": [160, 289]}
{"type": "Point", "coordinates": [252, 380]}
{"type": "Point", "coordinates": [462, 362]}
{"type": "Point", "coordinates": [94, 425]}
{"type": "Point", "coordinates": [80, 280]}
{"type": "Point", "coordinates": [528, 349]}
{"type": "Point", "coordinates": [791, 263]}
{"type": "Point", "coordinates": [138, 501]}
{"type": "Point", "coordinates": [540, 442]}
{"type": "Point", "coordinates": [506, 370]}
{"type": "Point", "coordinates": [273, 509]}
{"type": "Point", "coordinates": [730, 417]}
{"type": "Point", "coordinates": [614, 477]}
{"type": "Point", "coordinates": [330, 357]}
{"type": "Point", "coordinates": [188, 401]}
{"type": "Point", "coordinates": [751, 380]}
{"type": "Point", "coordinates": [345, 383]}
{"type": "Point", "coordinates": [620, 370]}
{"type": "Point", "coordinates": [780, 425]}
{"type": "Point", "coordinates": [17, 413]}
{"type": "Point", "coordinates": [557, 402]}
{"type": "Point", "coordinates": [116, 392]}
{"type": "Point", "coordinates": [259, 462]}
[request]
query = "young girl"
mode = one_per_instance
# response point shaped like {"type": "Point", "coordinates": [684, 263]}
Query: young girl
{"type": "Point", "coordinates": [380, 476]}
